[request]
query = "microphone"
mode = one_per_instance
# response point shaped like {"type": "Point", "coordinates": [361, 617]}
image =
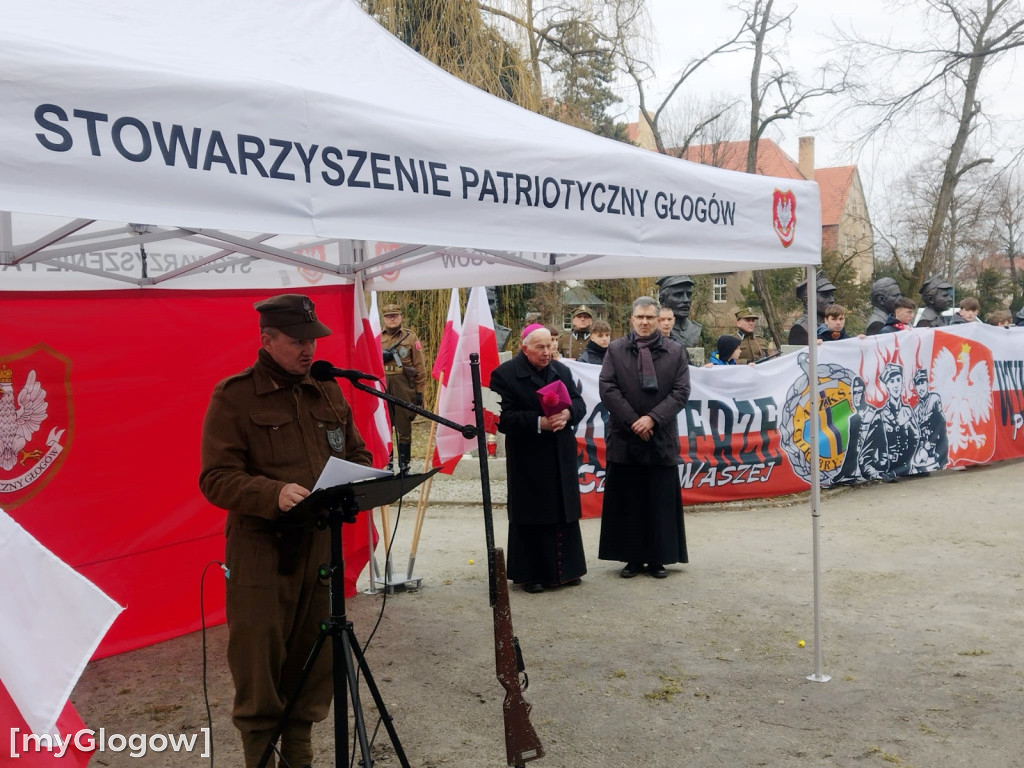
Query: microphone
{"type": "Point", "coordinates": [321, 370]}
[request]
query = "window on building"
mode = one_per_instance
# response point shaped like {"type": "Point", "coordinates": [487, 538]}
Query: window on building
{"type": "Point", "coordinates": [718, 289]}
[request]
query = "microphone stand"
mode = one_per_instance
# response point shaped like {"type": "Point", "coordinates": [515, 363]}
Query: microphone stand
{"type": "Point", "coordinates": [468, 431]}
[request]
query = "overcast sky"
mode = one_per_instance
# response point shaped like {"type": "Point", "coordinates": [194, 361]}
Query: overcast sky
{"type": "Point", "coordinates": [684, 29]}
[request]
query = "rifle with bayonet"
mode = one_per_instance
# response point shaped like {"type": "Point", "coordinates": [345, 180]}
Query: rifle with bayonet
{"type": "Point", "coordinates": [521, 741]}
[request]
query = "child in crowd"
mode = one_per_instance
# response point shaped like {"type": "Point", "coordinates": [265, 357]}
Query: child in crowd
{"type": "Point", "coordinates": [969, 308]}
{"type": "Point", "coordinates": [597, 345]}
{"type": "Point", "coordinates": [1000, 317]}
{"type": "Point", "coordinates": [902, 317]}
{"type": "Point", "coordinates": [834, 327]}
{"type": "Point", "coordinates": [726, 352]}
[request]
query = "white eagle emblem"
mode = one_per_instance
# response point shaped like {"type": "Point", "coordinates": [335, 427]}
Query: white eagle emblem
{"type": "Point", "coordinates": [966, 393]}
{"type": "Point", "coordinates": [18, 424]}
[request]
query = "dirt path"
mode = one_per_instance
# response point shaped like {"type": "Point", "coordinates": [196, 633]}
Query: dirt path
{"type": "Point", "coordinates": [921, 596]}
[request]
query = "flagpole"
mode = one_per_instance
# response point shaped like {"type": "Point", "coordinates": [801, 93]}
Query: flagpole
{"type": "Point", "coordinates": [421, 505]}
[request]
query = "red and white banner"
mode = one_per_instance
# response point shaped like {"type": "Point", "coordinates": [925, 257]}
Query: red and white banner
{"type": "Point", "coordinates": [890, 406]}
{"type": "Point", "coordinates": [456, 400]}
{"type": "Point", "coordinates": [108, 478]}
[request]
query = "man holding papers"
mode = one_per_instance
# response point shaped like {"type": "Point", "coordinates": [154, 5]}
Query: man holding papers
{"type": "Point", "coordinates": [268, 433]}
{"type": "Point", "coordinates": [540, 408]}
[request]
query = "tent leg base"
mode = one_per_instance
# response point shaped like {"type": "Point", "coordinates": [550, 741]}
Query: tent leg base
{"type": "Point", "coordinates": [819, 678]}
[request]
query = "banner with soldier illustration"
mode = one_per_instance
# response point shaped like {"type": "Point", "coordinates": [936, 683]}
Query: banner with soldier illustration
{"type": "Point", "coordinates": [891, 405]}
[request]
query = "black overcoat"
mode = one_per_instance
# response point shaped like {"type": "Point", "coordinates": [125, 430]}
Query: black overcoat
{"type": "Point", "coordinates": [619, 385]}
{"type": "Point", "coordinates": [543, 483]}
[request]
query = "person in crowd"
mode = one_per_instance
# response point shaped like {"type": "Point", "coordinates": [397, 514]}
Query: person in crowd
{"type": "Point", "coordinates": [1018, 319]}
{"type": "Point", "coordinates": [555, 349]}
{"type": "Point", "coordinates": [1000, 317]}
{"type": "Point", "coordinates": [666, 321]}
{"type": "Point", "coordinates": [597, 346]}
{"type": "Point", "coordinates": [267, 435]}
{"type": "Point", "coordinates": [891, 436]}
{"type": "Point", "coordinates": [644, 384]}
{"type": "Point", "coordinates": [726, 351]}
{"type": "Point", "coordinates": [572, 342]}
{"type": "Point", "coordinates": [750, 347]}
{"type": "Point", "coordinates": [406, 374]}
{"type": "Point", "coordinates": [968, 313]}
{"type": "Point", "coordinates": [937, 297]}
{"type": "Point", "coordinates": [826, 292]}
{"type": "Point", "coordinates": [884, 293]}
{"type": "Point", "coordinates": [902, 316]}
{"type": "Point", "coordinates": [676, 293]}
{"type": "Point", "coordinates": [834, 327]}
{"type": "Point", "coordinates": [545, 546]}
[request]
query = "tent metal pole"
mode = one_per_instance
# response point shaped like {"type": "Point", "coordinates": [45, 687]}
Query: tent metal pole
{"type": "Point", "coordinates": [815, 402]}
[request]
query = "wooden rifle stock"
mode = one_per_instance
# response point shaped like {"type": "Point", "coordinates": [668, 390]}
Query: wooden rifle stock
{"type": "Point", "coordinates": [521, 740]}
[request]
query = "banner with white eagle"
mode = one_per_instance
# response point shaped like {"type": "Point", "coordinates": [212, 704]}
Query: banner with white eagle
{"type": "Point", "coordinates": [890, 406]}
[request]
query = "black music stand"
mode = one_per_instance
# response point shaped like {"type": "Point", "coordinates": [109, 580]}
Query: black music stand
{"type": "Point", "coordinates": [331, 507]}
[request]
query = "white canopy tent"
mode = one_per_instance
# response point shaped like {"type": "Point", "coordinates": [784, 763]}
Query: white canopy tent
{"type": "Point", "coordinates": [254, 142]}
{"type": "Point", "coordinates": [308, 136]}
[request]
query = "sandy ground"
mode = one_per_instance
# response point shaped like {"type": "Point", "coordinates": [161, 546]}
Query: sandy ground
{"type": "Point", "coordinates": [921, 625]}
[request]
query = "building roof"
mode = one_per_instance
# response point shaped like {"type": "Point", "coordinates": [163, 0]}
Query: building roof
{"type": "Point", "coordinates": [732, 155]}
{"type": "Point", "coordinates": [835, 184]}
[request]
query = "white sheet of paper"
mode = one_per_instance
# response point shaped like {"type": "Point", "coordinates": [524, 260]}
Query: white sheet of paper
{"type": "Point", "coordinates": [341, 472]}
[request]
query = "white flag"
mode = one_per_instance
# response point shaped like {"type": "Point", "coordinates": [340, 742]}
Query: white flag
{"type": "Point", "coordinates": [53, 619]}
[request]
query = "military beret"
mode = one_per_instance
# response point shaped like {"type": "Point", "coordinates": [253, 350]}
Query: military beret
{"type": "Point", "coordinates": [391, 309]}
{"type": "Point", "coordinates": [746, 312]}
{"type": "Point", "coordinates": [582, 310]}
{"type": "Point", "coordinates": [292, 314]}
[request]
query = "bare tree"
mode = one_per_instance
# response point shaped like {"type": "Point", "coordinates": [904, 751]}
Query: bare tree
{"type": "Point", "coordinates": [1010, 228]}
{"type": "Point", "coordinates": [776, 93]}
{"type": "Point", "coordinates": [963, 39]}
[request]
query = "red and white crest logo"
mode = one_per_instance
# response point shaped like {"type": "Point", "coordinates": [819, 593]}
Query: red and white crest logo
{"type": "Point", "coordinates": [35, 421]}
{"type": "Point", "coordinates": [316, 252]}
{"type": "Point", "coordinates": [962, 374]}
{"type": "Point", "coordinates": [784, 216]}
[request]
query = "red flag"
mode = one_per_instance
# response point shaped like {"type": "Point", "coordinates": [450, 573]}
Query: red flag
{"type": "Point", "coordinates": [366, 356]}
{"type": "Point", "coordinates": [456, 401]}
{"type": "Point", "coordinates": [449, 339]}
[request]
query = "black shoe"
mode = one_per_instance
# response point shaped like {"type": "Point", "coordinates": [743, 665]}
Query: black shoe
{"type": "Point", "coordinates": [630, 570]}
{"type": "Point", "coordinates": [573, 583]}
{"type": "Point", "coordinates": [657, 571]}
{"type": "Point", "coordinates": [533, 587]}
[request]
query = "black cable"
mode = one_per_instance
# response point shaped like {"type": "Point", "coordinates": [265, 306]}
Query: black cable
{"type": "Point", "coordinates": [202, 623]}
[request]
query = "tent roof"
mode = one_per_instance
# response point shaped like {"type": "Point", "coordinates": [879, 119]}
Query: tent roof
{"type": "Point", "coordinates": [251, 135]}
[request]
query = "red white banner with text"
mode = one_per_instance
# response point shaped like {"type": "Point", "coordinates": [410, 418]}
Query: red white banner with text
{"type": "Point", "coordinates": [890, 406]}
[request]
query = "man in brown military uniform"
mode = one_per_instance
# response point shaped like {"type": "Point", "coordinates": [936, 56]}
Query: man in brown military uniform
{"type": "Point", "coordinates": [572, 343]}
{"type": "Point", "coordinates": [268, 433]}
{"type": "Point", "coordinates": [407, 378]}
{"type": "Point", "coordinates": [750, 346]}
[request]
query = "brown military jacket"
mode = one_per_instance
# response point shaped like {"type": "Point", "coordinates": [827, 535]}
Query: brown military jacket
{"type": "Point", "coordinates": [570, 346]}
{"type": "Point", "coordinates": [750, 349]}
{"type": "Point", "coordinates": [406, 345]}
{"type": "Point", "coordinates": [259, 436]}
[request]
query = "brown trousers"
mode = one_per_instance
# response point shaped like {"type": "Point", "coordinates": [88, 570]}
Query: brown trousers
{"type": "Point", "coordinates": [401, 418]}
{"type": "Point", "coordinates": [273, 622]}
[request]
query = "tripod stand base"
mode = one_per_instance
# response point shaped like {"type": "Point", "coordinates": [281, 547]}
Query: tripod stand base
{"type": "Point", "coordinates": [392, 585]}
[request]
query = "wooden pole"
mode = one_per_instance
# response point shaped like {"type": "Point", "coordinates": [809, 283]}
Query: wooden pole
{"type": "Point", "coordinates": [421, 505]}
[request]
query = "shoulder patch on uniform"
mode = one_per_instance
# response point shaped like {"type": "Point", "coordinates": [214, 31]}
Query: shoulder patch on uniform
{"type": "Point", "coordinates": [418, 345]}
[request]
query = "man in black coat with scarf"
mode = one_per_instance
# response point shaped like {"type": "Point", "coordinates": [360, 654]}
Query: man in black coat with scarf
{"type": "Point", "coordinates": [545, 546]}
{"type": "Point", "coordinates": [644, 383]}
